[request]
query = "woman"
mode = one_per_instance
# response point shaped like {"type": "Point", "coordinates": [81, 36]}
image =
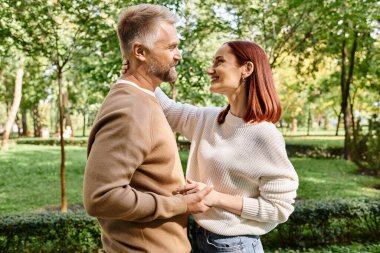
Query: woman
{"type": "Point", "coordinates": [239, 151]}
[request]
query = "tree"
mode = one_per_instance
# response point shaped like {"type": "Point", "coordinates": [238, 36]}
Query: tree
{"type": "Point", "coordinates": [346, 36]}
{"type": "Point", "coordinates": [15, 104]}
{"type": "Point", "coordinates": [59, 31]}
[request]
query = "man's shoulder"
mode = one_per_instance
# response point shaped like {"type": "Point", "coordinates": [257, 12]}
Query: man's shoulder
{"type": "Point", "coordinates": [126, 104]}
{"type": "Point", "coordinates": [124, 97]}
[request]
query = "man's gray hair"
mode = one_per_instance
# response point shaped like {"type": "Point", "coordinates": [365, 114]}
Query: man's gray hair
{"type": "Point", "coordinates": [140, 23]}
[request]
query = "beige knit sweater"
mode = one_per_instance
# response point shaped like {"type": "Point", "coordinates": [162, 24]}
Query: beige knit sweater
{"type": "Point", "coordinates": [132, 169]}
{"type": "Point", "coordinates": [237, 158]}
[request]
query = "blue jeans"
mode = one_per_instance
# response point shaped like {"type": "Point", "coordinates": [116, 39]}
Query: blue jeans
{"type": "Point", "coordinates": [204, 241]}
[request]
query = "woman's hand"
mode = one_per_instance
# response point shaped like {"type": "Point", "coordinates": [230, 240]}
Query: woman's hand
{"type": "Point", "coordinates": [190, 187]}
{"type": "Point", "coordinates": [193, 186]}
{"type": "Point", "coordinates": [124, 66]}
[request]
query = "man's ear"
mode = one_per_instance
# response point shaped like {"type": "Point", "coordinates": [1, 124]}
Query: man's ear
{"type": "Point", "coordinates": [248, 68]}
{"type": "Point", "coordinates": [138, 51]}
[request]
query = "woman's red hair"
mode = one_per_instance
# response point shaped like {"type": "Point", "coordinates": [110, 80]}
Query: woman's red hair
{"type": "Point", "coordinates": [263, 101]}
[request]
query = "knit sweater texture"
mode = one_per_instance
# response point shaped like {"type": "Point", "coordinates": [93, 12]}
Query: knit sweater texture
{"type": "Point", "coordinates": [237, 158]}
{"type": "Point", "coordinates": [132, 169]}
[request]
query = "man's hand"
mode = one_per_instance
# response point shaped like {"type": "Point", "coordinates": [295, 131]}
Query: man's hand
{"type": "Point", "coordinates": [195, 201]}
{"type": "Point", "coordinates": [212, 199]}
{"type": "Point", "coordinates": [125, 66]}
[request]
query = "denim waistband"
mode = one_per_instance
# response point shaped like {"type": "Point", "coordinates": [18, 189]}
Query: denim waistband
{"type": "Point", "coordinates": [207, 232]}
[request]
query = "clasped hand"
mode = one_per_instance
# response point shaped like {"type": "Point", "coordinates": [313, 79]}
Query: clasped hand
{"type": "Point", "coordinates": [207, 194]}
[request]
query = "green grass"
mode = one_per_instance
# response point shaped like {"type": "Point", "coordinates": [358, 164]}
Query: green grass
{"type": "Point", "coordinates": [30, 178]}
{"type": "Point", "coordinates": [332, 179]}
{"type": "Point", "coordinates": [330, 141]}
{"type": "Point", "coordinates": [354, 248]}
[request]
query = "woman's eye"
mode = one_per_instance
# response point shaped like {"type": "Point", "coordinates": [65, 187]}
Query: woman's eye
{"type": "Point", "coordinates": [217, 63]}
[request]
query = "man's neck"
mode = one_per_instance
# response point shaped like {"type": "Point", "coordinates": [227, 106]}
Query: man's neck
{"type": "Point", "coordinates": [141, 80]}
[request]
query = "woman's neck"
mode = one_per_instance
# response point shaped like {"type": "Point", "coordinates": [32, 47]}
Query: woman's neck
{"type": "Point", "coordinates": [238, 102]}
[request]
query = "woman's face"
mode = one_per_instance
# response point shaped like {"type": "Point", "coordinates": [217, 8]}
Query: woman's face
{"type": "Point", "coordinates": [225, 73]}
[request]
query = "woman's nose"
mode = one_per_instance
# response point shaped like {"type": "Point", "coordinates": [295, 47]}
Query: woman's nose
{"type": "Point", "coordinates": [210, 71]}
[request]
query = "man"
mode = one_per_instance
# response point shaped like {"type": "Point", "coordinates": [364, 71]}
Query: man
{"type": "Point", "coordinates": [133, 163]}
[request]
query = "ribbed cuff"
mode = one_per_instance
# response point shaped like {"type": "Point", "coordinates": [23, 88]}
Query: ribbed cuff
{"type": "Point", "coordinates": [250, 208]}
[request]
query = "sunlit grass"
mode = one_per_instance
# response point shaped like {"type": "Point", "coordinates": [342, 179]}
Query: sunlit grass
{"type": "Point", "coordinates": [334, 141]}
{"type": "Point", "coordinates": [30, 178]}
{"type": "Point", "coordinates": [354, 248]}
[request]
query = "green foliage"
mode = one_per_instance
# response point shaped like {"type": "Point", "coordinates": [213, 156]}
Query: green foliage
{"type": "Point", "coordinates": [81, 142]}
{"type": "Point", "coordinates": [49, 232]}
{"type": "Point", "coordinates": [305, 150]}
{"type": "Point", "coordinates": [313, 223]}
{"type": "Point", "coordinates": [326, 222]}
{"type": "Point", "coordinates": [366, 148]}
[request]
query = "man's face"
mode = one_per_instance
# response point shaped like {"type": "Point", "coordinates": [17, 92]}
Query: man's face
{"type": "Point", "coordinates": [164, 55]}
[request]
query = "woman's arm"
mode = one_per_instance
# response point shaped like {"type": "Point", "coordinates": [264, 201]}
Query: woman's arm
{"type": "Point", "coordinates": [181, 117]}
{"type": "Point", "coordinates": [278, 183]}
{"type": "Point", "coordinates": [233, 204]}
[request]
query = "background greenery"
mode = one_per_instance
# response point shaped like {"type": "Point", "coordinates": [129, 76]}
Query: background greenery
{"type": "Point", "coordinates": [324, 56]}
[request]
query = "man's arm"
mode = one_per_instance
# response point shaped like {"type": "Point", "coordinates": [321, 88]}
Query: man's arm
{"type": "Point", "coordinates": [119, 147]}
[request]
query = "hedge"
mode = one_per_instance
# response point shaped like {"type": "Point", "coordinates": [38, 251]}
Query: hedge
{"type": "Point", "coordinates": [49, 232]}
{"type": "Point", "coordinates": [314, 151]}
{"type": "Point", "coordinates": [316, 223]}
{"type": "Point", "coordinates": [296, 150]}
{"type": "Point", "coordinates": [293, 150]}
{"type": "Point", "coordinates": [312, 224]}
{"type": "Point", "coordinates": [82, 142]}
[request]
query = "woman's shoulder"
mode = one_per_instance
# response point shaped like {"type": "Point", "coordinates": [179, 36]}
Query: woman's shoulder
{"type": "Point", "coordinates": [266, 131]}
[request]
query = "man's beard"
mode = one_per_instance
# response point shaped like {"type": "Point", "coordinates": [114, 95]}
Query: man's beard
{"type": "Point", "coordinates": [164, 73]}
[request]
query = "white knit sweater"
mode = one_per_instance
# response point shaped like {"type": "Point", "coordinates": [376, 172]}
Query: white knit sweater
{"type": "Point", "coordinates": [237, 158]}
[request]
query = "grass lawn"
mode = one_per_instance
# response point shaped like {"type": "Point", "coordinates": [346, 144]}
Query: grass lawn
{"type": "Point", "coordinates": [354, 248]}
{"type": "Point", "coordinates": [334, 141]}
{"type": "Point", "coordinates": [30, 178]}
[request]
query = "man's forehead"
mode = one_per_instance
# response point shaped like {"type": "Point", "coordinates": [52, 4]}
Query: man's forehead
{"type": "Point", "coordinates": [168, 34]}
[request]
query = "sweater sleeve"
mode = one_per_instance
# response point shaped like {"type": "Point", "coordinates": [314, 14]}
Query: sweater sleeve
{"type": "Point", "coordinates": [181, 117]}
{"type": "Point", "coordinates": [277, 187]}
{"type": "Point", "coordinates": [120, 142]}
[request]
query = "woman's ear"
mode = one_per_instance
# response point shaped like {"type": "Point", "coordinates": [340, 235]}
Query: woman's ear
{"type": "Point", "coordinates": [138, 51]}
{"type": "Point", "coordinates": [248, 68]}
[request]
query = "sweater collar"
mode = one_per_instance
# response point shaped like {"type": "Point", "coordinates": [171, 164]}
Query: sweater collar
{"type": "Point", "coordinates": [234, 120]}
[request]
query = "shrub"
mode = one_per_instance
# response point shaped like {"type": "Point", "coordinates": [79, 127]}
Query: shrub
{"type": "Point", "coordinates": [312, 224]}
{"type": "Point", "coordinates": [366, 146]}
{"type": "Point", "coordinates": [296, 150]}
{"type": "Point", "coordinates": [49, 232]}
{"type": "Point", "coordinates": [314, 151]}
{"type": "Point", "coordinates": [82, 142]}
{"type": "Point", "coordinates": [315, 223]}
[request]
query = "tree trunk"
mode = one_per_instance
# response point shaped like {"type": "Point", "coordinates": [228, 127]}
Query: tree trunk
{"type": "Point", "coordinates": [61, 113]}
{"type": "Point", "coordinates": [68, 122]}
{"type": "Point", "coordinates": [308, 121]}
{"type": "Point", "coordinates": [294, 127]}
{"type": "Point", "coordinates": [19, 125]}
{"type": "Point", "coordinates": [24, 121]}
{"type": "Point", "coordinates": [345, 86]}
{"type": "Point", "coordinates": [15, 105]}
{"type": "Point", "coordinates": [338, 123]}
{"type": "Point", "coordinates": [84, 123]}
{"type": "Point", "coordinates": [37, 122]}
